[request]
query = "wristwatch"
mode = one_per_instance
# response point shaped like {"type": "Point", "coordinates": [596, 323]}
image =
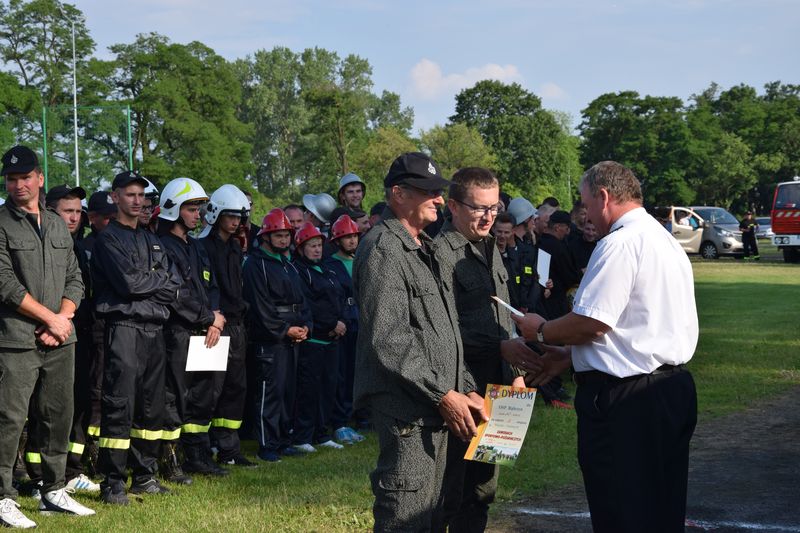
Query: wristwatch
{"type": "Point", "coordinates": [540, 332]}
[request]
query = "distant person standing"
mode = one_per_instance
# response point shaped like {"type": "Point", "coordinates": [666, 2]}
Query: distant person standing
{"type": "Point", "coordinates": [632, 329]}
{"type": "Point", "coordinates": [40, 289]}
{"type": "Point", "coordinates": [351, 192]}
{"type": "Point", "coordinates": [748, 226]}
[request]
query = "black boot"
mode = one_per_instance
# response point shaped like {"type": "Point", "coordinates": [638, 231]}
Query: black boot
{"type": "Point", "coordinates": [170, 466]}
{"type": "Point", "coordinates": [199, 461]}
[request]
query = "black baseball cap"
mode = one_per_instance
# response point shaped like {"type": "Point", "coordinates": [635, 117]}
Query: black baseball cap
{"type": "Point", "coordinates": [352, 213]}
{"type": "Point", "coordinates": [19, 160]}
{"type": "Point", "coordinates": [123, 179]}
{"type": "Point", "coordinates": [560, 217]}
{"type": "Point", "coordinates": [60, 191]}
{"type": "Point", "coordinates": [101, 202]}
{"type": "Point", "coordinates": [417, 170]}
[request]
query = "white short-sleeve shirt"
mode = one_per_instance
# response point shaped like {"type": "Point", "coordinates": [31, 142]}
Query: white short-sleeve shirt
{"type": "Point", "coordinates": [639, 282]}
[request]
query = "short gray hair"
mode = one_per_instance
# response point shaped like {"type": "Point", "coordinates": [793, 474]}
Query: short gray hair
{"type": "Point", "coordinates": [617, 179]}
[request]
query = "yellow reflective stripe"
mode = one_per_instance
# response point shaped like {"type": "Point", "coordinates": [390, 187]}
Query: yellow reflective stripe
{"type": "Point", "coordinates": [117, 444]}
{"type": "Point", "coordinates": [93, 431]}
{"type": "Point", "coordinates": [195, 428]}
{"type": "Point", "coordinates": [529, 270]}
{"type": "Point", "coordinates": [171, 435]}
{"type": "Point", "coordinates": [226, 423]}
{"type": "Point", "coordinates": [75, 447]}
{"type": "Point", "coordinates": [517, 280]}
{"type": "Point", "coordinates": [146, 434]}
{"type": "Point", "coordinates": [33, 457]}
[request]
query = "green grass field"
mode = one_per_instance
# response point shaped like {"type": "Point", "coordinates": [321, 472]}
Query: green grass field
{"type": "Point", "coordinates": [749, 348]}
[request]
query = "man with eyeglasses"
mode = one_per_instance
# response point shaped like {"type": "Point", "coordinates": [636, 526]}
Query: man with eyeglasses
{"type": "Point", "coordinates": [410, 368]}
{"type": "Point", "coordinates": [471, 264]}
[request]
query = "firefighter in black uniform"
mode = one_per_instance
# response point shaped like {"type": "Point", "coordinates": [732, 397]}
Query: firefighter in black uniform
{"type": "Point", "coordinates": [519, 259]}
{"type": "Point", "coordinates": [318, 362]}
{"type": "Point", "coordinates": [134, 284]}
{"type": "Point", "coordinates": [278, 320]}
{"type": "Point", "coordinates": [227, 210]}
{"type": "Point", "coordinates": [345, 236]}
{"type": "Point", "coordinates": [748, 226]}
{"type": "Point", "coordinates": [190, 395]}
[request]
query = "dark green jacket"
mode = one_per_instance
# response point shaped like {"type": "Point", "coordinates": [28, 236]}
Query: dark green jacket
{"type": "Point", "coordinates": [46, 268]}
{"type": "Point", "coordinates": [409, 350]}
{"type": "Point", "coordinates": [483, 323]}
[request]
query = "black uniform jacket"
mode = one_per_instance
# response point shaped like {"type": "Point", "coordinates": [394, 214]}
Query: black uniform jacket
{"type": "Point", "coordinates": [350, 310]}
{"type": "Point", "coordinates": [564, 275]}
{"type": "Point", "coordinates": [273, 289]}
{"type": "Point", "coordinates": [132, 275]}
{"type": "Point", "coordinates": [198, 295]}
{"type": "Point", "coordinates": [226, 265]}
{"type": "Point", "coordinates": [324, 294]}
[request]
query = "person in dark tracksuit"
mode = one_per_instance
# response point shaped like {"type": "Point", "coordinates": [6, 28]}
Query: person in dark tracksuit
{"type": "Point", "coordinates": [748, 226]}
{"type": "Point", "coordinates": [563, 271]}
{"type": "Point", "coordinates": [519, 259]}
{"type": "Point", "coordinates": [134, 284]}
{"type": "Point", "coordinates": [190, 395]}
{"type": "Point", "coordinates": [66, 202]}
{"type": "Point", "coordinates": [225, 213]}
{"type": "Point", "coordinates": [40, 289]}
{"type": "Point", "coordinates": [471, 263]}
{"type": "Point", "coordinates": [345, 236]}
{"type": "Point", "coordinates": [318, 362]}
{"type": "Point", "coordinates": [278, 319]}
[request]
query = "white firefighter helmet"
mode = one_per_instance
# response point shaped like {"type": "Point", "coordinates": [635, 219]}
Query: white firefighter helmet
{"type": "Point", "coordinates": [227, 199]}
{"type": "Point", "coordinates": [349, 179]}
{"type": "Point", "coordinates": [151, 191]}
{"type": "Point", "coordinates": [176, 193]}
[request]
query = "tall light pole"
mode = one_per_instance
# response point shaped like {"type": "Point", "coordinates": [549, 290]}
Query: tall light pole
{"type": "Point", "coordinates": [75, 105]}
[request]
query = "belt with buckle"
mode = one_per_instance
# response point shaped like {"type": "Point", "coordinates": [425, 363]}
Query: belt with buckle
{"type": "Point", "coordinates": [596, 377]}
{"type": "Point", "coordinates": [293, 308]}
{"type": "Point", "coordinates": [350, 301]}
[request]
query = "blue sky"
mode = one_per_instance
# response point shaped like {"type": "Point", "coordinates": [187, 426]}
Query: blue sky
{"type": "Point", "coordinates": [568, 52]}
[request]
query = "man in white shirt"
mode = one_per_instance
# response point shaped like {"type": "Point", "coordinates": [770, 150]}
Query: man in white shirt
{"type": "Point", "coordinates": [632, 328]}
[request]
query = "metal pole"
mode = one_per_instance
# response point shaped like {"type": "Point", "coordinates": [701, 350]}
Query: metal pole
{"type": "Point", "coordinates": [130, 139]}
{"type": "Point", "coordinates": [44, 143]}
{"type": "Point", "coordinates": [75, 105]}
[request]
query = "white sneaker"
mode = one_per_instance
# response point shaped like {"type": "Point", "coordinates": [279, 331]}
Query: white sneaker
{"type": "Point", "coordinates": [36, 491]}
{"type": "Point", "coordinates": [11, 516]}
{"type": "Point", "coordinates": [83, 483]}
{"type": "Point", "coordinates": [305, 448]}
{"type": "Point", "coordinates": [331, 444]}
{"type": "Point", "coordinates": [59, 501]}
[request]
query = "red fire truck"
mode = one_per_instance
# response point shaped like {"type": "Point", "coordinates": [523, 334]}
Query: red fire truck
{"type": "Point", "coordinates": [786, 219]}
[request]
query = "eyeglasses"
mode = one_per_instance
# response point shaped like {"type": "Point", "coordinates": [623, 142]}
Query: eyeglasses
{"type": "Point", "coordinates": [148, 208]}
{"type": "Point", "coordinates": [480, 210]}
{"type": "Point", "coordinates": [434, 193]}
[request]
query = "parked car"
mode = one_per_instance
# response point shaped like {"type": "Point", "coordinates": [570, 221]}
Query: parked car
{"type": "Point", "coordinates": [705, 230]}
{"type": "Point", "coordinates": [764, 228]}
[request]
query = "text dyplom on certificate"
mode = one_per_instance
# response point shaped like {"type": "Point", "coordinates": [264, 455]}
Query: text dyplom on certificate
{"type": "Point", "coordinates": [500, 439]}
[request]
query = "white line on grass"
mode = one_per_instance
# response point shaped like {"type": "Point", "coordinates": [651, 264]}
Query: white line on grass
{"type": "Point", "coordinates": [700, 524]}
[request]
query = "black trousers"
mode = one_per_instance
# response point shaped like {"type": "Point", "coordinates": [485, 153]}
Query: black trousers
{"type": "Point", "coordinates": [82, 410]}
{"type": "Point", "coordinates": [132, 414]}
{"type": "Point", "coordinates": [230, 393]}
{"type": "Point", "coordinates": [317, 378]}
{"type": "Point", "coordinates": [96, 373]}
{"type": "Point", "coordinates": [633, 450]}
{"type": "Point", "coordinates": [343, 407]}
{"type": "Point", "coordinates": [274, 370]}
{"type": "Point", "coordinates": [750, 244]}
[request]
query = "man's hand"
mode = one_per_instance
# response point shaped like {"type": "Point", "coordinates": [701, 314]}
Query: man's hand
{"type": "Point", "coordinates": [214, 330]}
{"type": "Point", "coordinates": [528, 325]}
{"type": "Point", "coordinates": [555, 361]}
{"type": "Point", "coordinates": [59, 326]}
{"type": "Point", "coordinates": [297, 334]}
{"type": "Point", "coordinates": [457, 410]}
{"type": "Point", "coordinates": [45, 337]}
{"type": "Point", "coordinates": [339, 330]}
{"type": "Point", "coordinates": [519, 381]}
{"type": "Point", "coordinates": [478, 413]}
{"type": "Point", "coordinates": [517, 354]}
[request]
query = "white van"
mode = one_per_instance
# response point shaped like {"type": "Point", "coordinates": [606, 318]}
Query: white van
{"type": "Point", "coordinates": [709, 231]}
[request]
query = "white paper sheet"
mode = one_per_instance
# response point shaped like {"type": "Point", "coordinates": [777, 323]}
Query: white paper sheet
{"type": "Point", "coordinates": [201, 358]}
{"type": "Point", "coordinates": [513, 310]}
{"type": "Point", "coordinates": [543, 267]}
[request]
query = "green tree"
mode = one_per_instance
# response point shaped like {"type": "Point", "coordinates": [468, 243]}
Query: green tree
{"type": "Point", "coordinates": [524, 137]}
{"type": "Point", "coordinates": [18, 105]}
{"type": "Point", "coordinates": [456, 146]}
{"type": "Point", "coordinates": [371, 162]}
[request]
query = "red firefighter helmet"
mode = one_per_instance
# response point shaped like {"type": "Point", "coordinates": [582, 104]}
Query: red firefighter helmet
{"type": "Point", "coordinates": [343, 226]}
{"type": "Point", "coordinates": [306, 232]}
{"type": "Point", "coordinates": [275, 220]}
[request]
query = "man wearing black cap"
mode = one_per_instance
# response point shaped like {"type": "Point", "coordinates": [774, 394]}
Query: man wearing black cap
{"type": "Point", "coordinates": [563, 271]}
{"type": "Point", "coordinates": [40, 288]}
{"type": "Point", "coordinates": [409, 363]}
{"type": "Point", "coordinates": [66, 202]}
{"type": "Point", "coordinates": [134, 284]}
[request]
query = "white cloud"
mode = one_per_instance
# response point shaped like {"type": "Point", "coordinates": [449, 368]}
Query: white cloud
{"type": "Point", "coordinates": [551, 91]}
{"type": "Point", "coordinates": [428, 82]}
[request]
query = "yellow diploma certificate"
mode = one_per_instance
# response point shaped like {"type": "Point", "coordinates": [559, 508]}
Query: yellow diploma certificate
{"type": "Point", "coordinates": [500, 439]}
